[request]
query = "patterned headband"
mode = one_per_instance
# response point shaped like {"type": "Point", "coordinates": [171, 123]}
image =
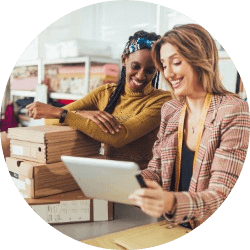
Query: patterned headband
{"type": "Point", "coordinates": [140, 43]}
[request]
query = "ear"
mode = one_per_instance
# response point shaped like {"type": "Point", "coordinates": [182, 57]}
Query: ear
{"type": "Point", "coordinates": [124, 59]}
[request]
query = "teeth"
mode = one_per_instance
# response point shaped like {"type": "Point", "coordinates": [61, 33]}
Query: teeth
{"type": "Point", "coordinates": [137, 83]}
{"type": "Point", "coordinates": [176, 82]}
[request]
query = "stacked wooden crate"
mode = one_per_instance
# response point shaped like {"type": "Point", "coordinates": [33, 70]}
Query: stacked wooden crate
{"type": "Point", "coordinates": [36, 167]}
{"type": "Point", "coordinates": [46, 144]}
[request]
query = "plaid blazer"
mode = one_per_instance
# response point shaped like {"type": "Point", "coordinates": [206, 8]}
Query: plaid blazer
{"type": "Point", "coordinates": [221, 156]}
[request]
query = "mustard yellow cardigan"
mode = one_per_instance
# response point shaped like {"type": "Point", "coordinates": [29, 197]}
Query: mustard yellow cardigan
{"type": "Point", "coordinates": [138, 113]}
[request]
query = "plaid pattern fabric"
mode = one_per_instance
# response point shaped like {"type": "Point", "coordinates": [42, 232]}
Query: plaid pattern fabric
{"type": "Point", "coordinates": [221, 156]}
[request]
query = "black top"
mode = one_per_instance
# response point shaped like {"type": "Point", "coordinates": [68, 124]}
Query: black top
{"type": "Point", "coordinates": [186, 169]}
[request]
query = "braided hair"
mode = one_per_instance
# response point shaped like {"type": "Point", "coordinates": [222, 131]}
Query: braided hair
{"type": "Point", "coordinates": [120, 88]}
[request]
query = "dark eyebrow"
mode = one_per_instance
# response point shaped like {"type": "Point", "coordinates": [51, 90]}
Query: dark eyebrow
{"type": "Point", "coordinates": [151, 67]}
{"type": "Point", "coordinates": [135, 62]}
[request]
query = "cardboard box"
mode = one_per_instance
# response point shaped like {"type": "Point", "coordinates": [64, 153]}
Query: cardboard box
{"type": "Point", "coordinates": [36, 180]}
{"type": "Point", "coordinates": [46, 144]}
{"type": "Point", "coordinates": [150, 235]}
{"type": "Point", "coordinates": [28, 83]}
{"type": "Point", "coordinates": [71, 207]}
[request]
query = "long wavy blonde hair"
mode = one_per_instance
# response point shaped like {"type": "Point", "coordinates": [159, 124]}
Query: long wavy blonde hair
{"type": "Point", "coordinates": [198, 48]}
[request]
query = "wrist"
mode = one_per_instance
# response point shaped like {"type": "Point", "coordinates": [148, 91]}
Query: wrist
{"type": "Point", "coordinates": [171, 202]}
{"type": "Point", "coordinates": [58, 113]}
{"type": "Point", "coordinates": [63, 116]}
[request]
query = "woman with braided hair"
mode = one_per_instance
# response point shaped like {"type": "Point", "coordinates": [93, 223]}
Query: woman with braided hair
{"type": "Point", "coordinates": [125, 117]}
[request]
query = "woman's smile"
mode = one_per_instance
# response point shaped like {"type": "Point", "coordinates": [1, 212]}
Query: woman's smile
{"type": "Point", "coordinates": [178, 72]}
{"type": "Point", "coordinates": [176, 83]}
{"type": "Point", "coordinates": [137, 85]}
{"type": "Point", "coordinates": [140, 69]}
{"type": "Point", "coordinates": [136, 82]}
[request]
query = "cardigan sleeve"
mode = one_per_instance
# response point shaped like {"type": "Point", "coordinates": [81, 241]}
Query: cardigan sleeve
{"type": "Point", "coordinates": [89, 102]}
{"type": "Point", "coordinates": [131, 130]}
{"type": "Point", "coordinates": [226, 166]}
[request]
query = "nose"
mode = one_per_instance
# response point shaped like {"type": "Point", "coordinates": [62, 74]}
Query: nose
{"type": "Point", "coordinates": [168, 72]}
{"type": "Point", "coordinates": [141, 75]}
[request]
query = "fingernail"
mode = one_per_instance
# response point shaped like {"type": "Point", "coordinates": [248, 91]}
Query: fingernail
{"type": "Point", "coordinates": [112, 132]}
{"type": "Point", "coordinates": [117, 130]}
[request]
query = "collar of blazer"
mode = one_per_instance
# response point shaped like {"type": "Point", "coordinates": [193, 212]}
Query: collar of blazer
{"type": "Point", "coordinates": [207, 133]}
{"type": "Point", "coordinates": [170, 146]}
{"type": "Point", "coordinates": [173, 122]}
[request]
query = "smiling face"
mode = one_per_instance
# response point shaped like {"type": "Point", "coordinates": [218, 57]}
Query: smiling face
{"type": "Point", "coordinates": [140, 69]}
{"type": "Point", "coordinates": [179, 73]}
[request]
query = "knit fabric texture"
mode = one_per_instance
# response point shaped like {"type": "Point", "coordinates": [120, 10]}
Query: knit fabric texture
{"type": "Point", "coordinates": [138, 113]}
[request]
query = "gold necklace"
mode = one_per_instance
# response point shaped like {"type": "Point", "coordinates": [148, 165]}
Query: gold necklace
{"type": "Point", "coordinates": [194, 127]}
{"type": "Point", "coordinates": [202, 119]}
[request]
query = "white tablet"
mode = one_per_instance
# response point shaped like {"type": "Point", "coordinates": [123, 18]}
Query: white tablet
{"type": "Point", "coordinates": [105, 179]}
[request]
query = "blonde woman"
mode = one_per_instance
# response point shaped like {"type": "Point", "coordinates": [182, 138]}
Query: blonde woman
{"type": "Point", "coordinates": [203, 137]}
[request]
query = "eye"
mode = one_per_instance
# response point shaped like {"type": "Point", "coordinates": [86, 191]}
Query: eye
{"type": "Point", "coordinates": [135, 66]}
{"type": "Point", "coordinates": [151, 71]}
{"type": "Point", "coordinates": [164, 67]}
{"type": "Point", "coordinates": [176, 63]}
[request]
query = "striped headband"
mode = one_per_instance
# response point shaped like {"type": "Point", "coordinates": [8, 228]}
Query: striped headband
{"type": "Point", "coordinates": [140, 43]}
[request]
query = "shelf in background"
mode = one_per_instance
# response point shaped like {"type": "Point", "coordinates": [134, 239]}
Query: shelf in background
{"type": "Point", "coordinates": [81, 60]}
{"type": "Point", "coordinates": [65, 96]}
{"type": "Point", "coordinates": [28, 63]}
{"type": "Point", "coordinates": [25, 93]}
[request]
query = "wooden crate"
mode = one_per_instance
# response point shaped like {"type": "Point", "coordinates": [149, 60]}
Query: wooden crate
{"type": "Point", "coordinates": [46, 144]}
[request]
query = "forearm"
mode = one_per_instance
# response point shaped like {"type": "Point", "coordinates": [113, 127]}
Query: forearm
{"type": "Point", "coordinates": [129, 131]}
{"type": "Point", "coordinates": [38, 110]}
{"type": "Point", "coordinates": [55, 120]}
{"type": "Point", "coordinates": [93, 130]}
{"type": "Point", "coordinates": [74, 107]}
{"type": "Point", "coordinates": [199, 206]}
{"type": "Point", "coordinates": [86, 103]}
